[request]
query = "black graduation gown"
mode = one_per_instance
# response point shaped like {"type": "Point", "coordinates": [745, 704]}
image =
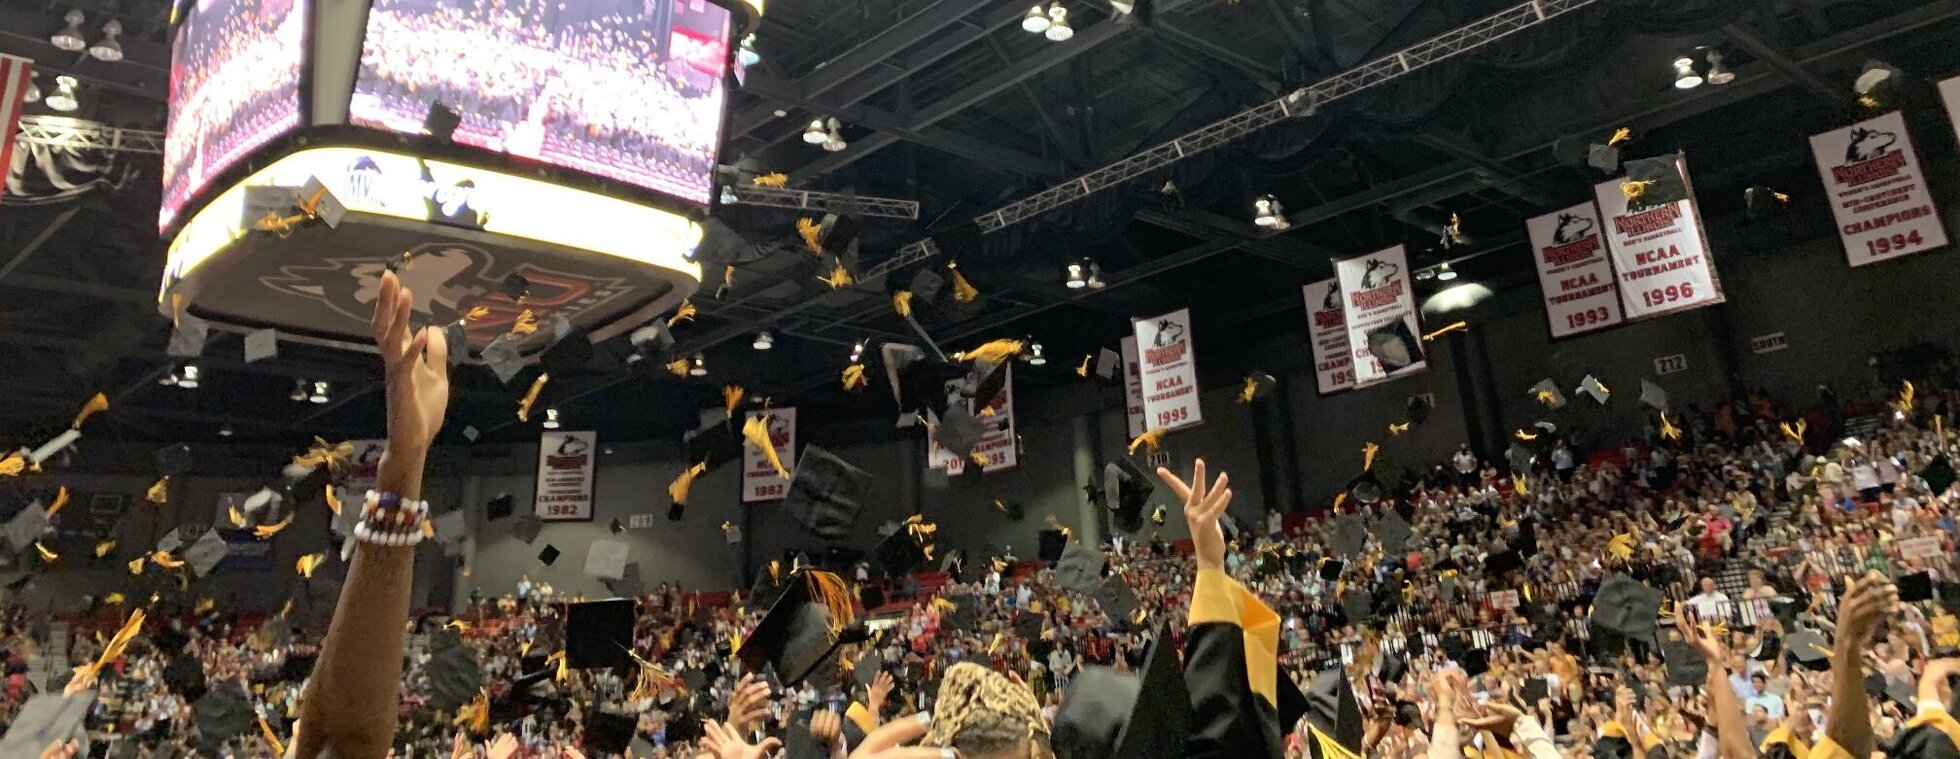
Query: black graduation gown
{"type": "Point", "coordinates": [1231, 670]}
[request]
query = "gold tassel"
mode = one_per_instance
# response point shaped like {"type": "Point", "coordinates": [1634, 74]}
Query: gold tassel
{"type": "Point", "coordinates": [1457, 327]}
{"type": "Point", "coordinates": [810, 230]}
{"type": "Point", "coordinates": [1547, 397]}
{"type": "Point", "coordinates": [1248, 389]}
{"type": "Point", "coordinates": [1905, 398]}
{"type": "Point", "coordinates": [652, 679]}
{"type": "Point", "coordinates": [731, 396]}
{"type": "Point", "coordinates": [476, 313]}
{"type": "Point", "coordinates": [46, 555]}
{"type": "Point", "coordinates": [1524, 436]}
{"type": "Point", "coordinates": [978, 459]}
{"type": "Point", "coordinates": [996, 351]}
{"type": "Point", "coordinates": [679, 367]}
{"type": "Point", "coordinates": [1620, 547]}
{"type": "Point", "coordinates": [727, 279]}
{"type": "Point", "coordinates": [683, 314]}
{"type": "Point", "coordinates": [97, 404]}
{"type": "Point", "coordinates": [1520, 484]}
{"type": "Point", "coordinates": [1620, 135]}
{"type": "Point", "coordinates": [1668, 430]}
{"type": "Point", "coordinates": [204, 604]}
{"type": "Point", "coordinates": [12, 465]}
{"type": "Point", "coordinates": [835, 596]}
{"type": "Point", "coordinates": [1633, 189]}
{"type": "Point", "coordinates": [333, 500]}
{"type": "Point", "coordinates": [531, 397]}
{"type": "Point", "coordinates": [113, 599]}
{"type": "Point", "coordinates": [756, 431]}
{"type": "Point", "coordinates": [1151, 438]}
{"type": "Point", "coordinates": [1368, 456]}
{"type": "Point", "coordinates": [321, 453]}
{"type": "Point", "coordinates": [902, 303]}
{"type": "Point", "coordinates": [103, 548]}
{"type": "Point", "coordinates": [268, 530]}
{"type": "Point", "coordinates": [838, 278]}
{"type": "Point", "coordinates": [60, 500]}
{"type": "Point", "coordinates": [526, 323]}
{"type": "Point", "coordinates": [854, 379]}
{"type": "Point", "coordinates": [272, 738]}
{"type": "Point", "coordinates": [773, 179]}
{"type": "Point", "coordinates": [160, 492]}
{"type": "Point", "coordinates": [237, 519]}
{"type": "Point", "coordinates": [1795, 433]}
{"type": "Point", "coordinates": [428, 528]}
{"type": "Point", "coordinates": [86, 673]}
{"type": "Point", "coordinates": [963, 291]}
{"type": "Point", "coordinates": [677, 490]}
{"type": "Point", "coordinates": [136, 565]}
{"type": "Point", "coordinates": [164, 559]}
{"type": "Point", "coordinates": [1082, 370]}
{"type": "Point", "coordinates": [309, 563]}
{"type": "Point", "coordinates": [475, 716]}
{"type": "Point", "coordinates": [1397, 429]}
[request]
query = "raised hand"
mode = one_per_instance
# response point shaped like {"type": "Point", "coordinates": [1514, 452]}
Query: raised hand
{"type": "Point", "coordinates": [1867, 601]}
{"type": "Point", "coordinates": [1203, 507]}
{"type": "Point", "coordinates": [417, 369]}
{"type": "Point", "coordinates": [749, 703]}
{"type": "Point", "coordinates": [504, 747]}
{"type": "Point", "coordinates": [725, 742]}
{"type": "Point", "coordinates": [827, 728]}
{"type": "Point", "coordinates": [890, 739]}
{"type": "Point", "coordinates": [881, 688]}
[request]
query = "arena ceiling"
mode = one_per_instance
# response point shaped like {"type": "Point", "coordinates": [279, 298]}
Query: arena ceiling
{"type": "Point", "coordinates": [951, 103]}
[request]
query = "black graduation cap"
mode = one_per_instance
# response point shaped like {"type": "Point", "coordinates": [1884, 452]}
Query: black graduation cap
{"type": "Point", "coordinates": [1116, 597]}
{"type": "Point", "coordinates": [499, 507]}
{"type": "Point", "coordinates": [795, 636]}
{"type": "Point", "coordinates": [1398, 332]}
{"type": "Point", "coordinates": [526, 527]}
{"type": "Point", "coordinates": [454, 674]}
{"type": "Point", "coordinates": [1914, 587]}
{"type": "Point", "coordinates": [1684, 664]}
{"type": "Point", "coordinates": [1654, 182]}
{"type": "Point", "coordinates": [1503, 561]}
{"type": "Point", "coordinates": [1809, 649]}
{"type": "Point", "coordinates": [826, 493]}
{"type": "Point", "coordinates": [549, 555]}
{"type": "Point", "coordinates": [1785, 608]}
{"type": "Point", "coordinates": [1330, 569]}
{"type": "Point", "coordinates": [1938, 474]}
{"type": "Point", "coordinates": [599, 634]}
{"type": "Point", "coordinates": [314, 599]}
{"type": "Point", "coordinates": [958, 431]}
{"type": "Point", "coordinates": [184, 676]}
{"type": "Point", "coordinates": [1626, 606]}
{"type": "Point", "coordinates": [985, 381]}
{"type": "Point", "coordinates": [1365, 488]}
{"type": "Point", "coordinates": [1012, 508]}
{"type": "Point", "coordinates": [900, 553]}
{"type": "Point", "coordinates": [838, 234]}
{"type": "Point", "coordinates": [715, 444]}
{"type": "Point", "coordinates": [1393, 531]}
{"type": "Point", "coordinates": [919, 381]}
{"type": "Point", "coordinates": [224, 712]}
{"type": "Point", "coordinates": [963, 616]}
{"type": "Point", "coordinates": [924, 284]}
{"type": "Point", "coordinates": [607, 733]}
{"type": "Point", "coordinates": [1080, 569]}
{"type": "Point", "coordinates": [1349, 534]}
{"type": "Point", "coordinates": [515, 286]}
{"type": "Point", "coordinates": [1126, 488]}
{"type": "Point", "coordinates": [1028, 626]}
{"type": "Point", "coordinates": [1358, 606]}
{"type": "Point", "coordinates": [568, 353]}
{"type": "Point", "coordinates": [1535, 689]}
{"type": "Point", "coordinates": [1922, 741]}
{"type": "Point", "coordinates": [1109, 715]}
{"type": "Point", "coordinates": [1392, 666]}
{"type": "Point", "coordinates": [173, 459]}
{"type": "Point", "coordinates": [1332, 713]}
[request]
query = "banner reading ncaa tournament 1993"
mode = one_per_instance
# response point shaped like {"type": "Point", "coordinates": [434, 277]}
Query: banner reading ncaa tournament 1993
{"type": "Point", "coordinates": [1574, 271]}
{"type": "Point", "coordinates": [760, 482]}
{"type": "Point", "coordinates": [1333, 361]}
{"type": "Point", "coordinates": [565, 468]}
{"type": "Point", "coordinates": [1878, 194]}
{"type": "Point", "coordinates": [1382, 329]}
{"type": "Point", "coordinates": [1169, 370]}
{"type": "Point", "coordinates": [1659, 253]}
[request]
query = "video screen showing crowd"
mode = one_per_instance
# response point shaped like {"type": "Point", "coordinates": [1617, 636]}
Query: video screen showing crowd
{"type": "Point", "coordinates": [234, 86]}
{"type": "Point", "coordinates": [625, 90]}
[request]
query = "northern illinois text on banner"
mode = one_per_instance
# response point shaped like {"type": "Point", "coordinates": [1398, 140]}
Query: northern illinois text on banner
{"type": "Point", "coordinates": [565, 470]}
{"type": "Point", "coordinates": [1168, 367]}
{"type": "Point", "coordinates": [1333, 361]}
{"type": "Point", "coordinates": [1383, 333]}
{"type": "Point", "coordinates": [1878, 194]}
{"type": "Point", "coordinates": [1133, 388]}
{"type": "Point", "coordinates": [760, 482]}
{"type": "Point", "coordinates": [1574, 271]}
{"type": "Point", "coordinates": [996, 441]}
{"type": "Point", "coordinates": [1659, 253]}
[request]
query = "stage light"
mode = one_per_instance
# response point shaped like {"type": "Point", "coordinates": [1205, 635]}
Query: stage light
{"type": "Point", "coordinates": [551, 419]}
{"type": "Point", "coordinates": [763, 341]}
{"type": "Point", "coordinates": [700, 367]}
{"type": "Point", "coordinates": [1036, 22]}
{"type": "Point", "coordinates": [728, 197]}
{"type": "Point", "coordinates": [63, 98]}
{"type": "Point", "coordinates": [33, 87]}
{"type": "Point", "coordinates": [1718, 73]}
{"type": "Point", "coordinates": [1058, 28]}
{"type": "Point", "coordinates": [1685, 77]}
{"type": "Point", "coordinates": [224, 431]}
{"type": "Point", "coordinates": [1123, 7]}
{"type": "Point", "coordinates": [1076, 280]}
{"type": "Point", "coordinates": [1266, 211]}
{"type": "Point", "coordinates": [857, 352]}
{"type": "Point", "coordinates": [108, 48]}
{"type": "Point", "coordinates": [814, 133]}
{"type": "Point", "coordinates": [1445, 273]}
{"type": "Point", "coordinates": [187, 377]}
{"type": "Point", "coordinates": [1035, 356]}
{"type": "Point", "coordinates": [746, 54]}
{"type": "Point", "coordinates": [319, 394]}
{"type": "Point", "coordinates": [299, 391]}
{"type": "Point", "coordinates": [70, 37]}
{"type": "Point", "coordinates": [834, 141]}
{"type": "Point", "coordinates": [1456, 298]}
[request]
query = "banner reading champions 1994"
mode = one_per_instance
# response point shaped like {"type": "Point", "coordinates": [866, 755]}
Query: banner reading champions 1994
{"type": "Point", "coordinates": [565, 468]}
{"type": "Point", "coordinates": [1169, 368]}
{"type": "Point", "coordinates": [1333, 361]}
{"type": "Point", "coordinates": [1659, 253]}
{"type": "Point", "coordinates": [1573, 271]}
{"type": "Point", "coordinates": [760, 482]}
{"type": "Point", "coordinates": [1382, 329]}
{"type": "Point", "coordinates": [1878, 193]}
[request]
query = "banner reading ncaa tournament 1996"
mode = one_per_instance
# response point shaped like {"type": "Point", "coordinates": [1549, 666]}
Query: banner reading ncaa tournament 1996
{"type": "Point", "coordinates": [1878, 194]}
{"type": "Point", "coordinates": [1574, 271]}
{"type": "Point", "coordinates": [1383, 333]}
{"type": "Point", "coordinates": [1659, 253]}
{"type": "Point", "coordinates": [1333, 361]}
{"type": "Point", "coordinates": [1169, 368]}
{"type": "Point", "coordinates": [760, 482]}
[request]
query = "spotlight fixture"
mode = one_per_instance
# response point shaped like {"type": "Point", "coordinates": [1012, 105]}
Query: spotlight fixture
{"type": "Point", "coordinates": [1444, 273]}
{"type": "Point", "coordinates": [1076, 278]}
{"type": "Point", "coordinates": [1123, 7]}
{"type": "Point", "coordinates": [1095, 277]}
{"type": "Point", "coordinates": [1266, 211]}
{"type": "Point", "coordinates": [1685, 77]}
{"type": "Point", "coordinates": [187, 377]}
{"type": "Point", "coordinates": [746, 54]}
{"type": "Point", "coordinates": [224, 431]}
{"type": "Point", "coordinates": [168, 380]}
{"type": "Point", "coordinates": [33, 94]}
{"type": "Point", "coordinates": [857, 352]}
{"type": "Point", "coordinates": [299, 391]}
{"type": "Point", "coordinates": [728, 196]}
{"type": "Point", "coordinates": [814, 133]}
{"type": "Point", "coordinates": [834, 140]}
{"type": "Point", "coordinates": [108, 48]}
{"type": "Point", "coordinates": [764, 341]}
{"type": "Point", "coordinates": [63, 98]}
{"type": "Point", "coordinates": [70, 37]}
{"type": "Point", "coordinates": [700, 367]}
{"type": "Point", "coordinates": [1035, 356]}
{"type": "Point", "coordinates": [551, 419]}
{"type": "Point", "coordinates": [1035, 23]}
{"type": "Point", "coordinates": [1718, 73]}
{"type": "Point", "coordinates": [319, 394]}
{"type": "Point", "coordinates": [1058, 28]}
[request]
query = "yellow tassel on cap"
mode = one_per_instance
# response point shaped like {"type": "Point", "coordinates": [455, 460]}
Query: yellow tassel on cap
{"type": "Point", "coordinates": [1795, 433]}
{"type": "Point", "coordinates": [1151, 438]}
{"type": "Point", "coordinates": [1397, 429]}
{"type": "Point", "coordinates": [1368, 456]}
{"type": "Point", "coordinates": [1620, 547]}
{"type": "Point", "coordinates": [237, 518]}
{"type": "Point", "coordinates": [95, 405]}
{"type": "Point", "coordinates": [136, 565]}
{"type": "Point", "coordinates": [476, 313]}
{"type": "Point", "coordinates": [830, 591]}
{"type": "Point", "coordinates": [103, 548]}
{"type": "Point", "coordinates": [526, 323]}
{"type": "Point", "coordinates": [731, 396]}
{"type": "Point", "coordinates": [309, 563]}
{"type": "Point", "coordinates": [679, 367]}
{"type": "Point", "coordinates": [321, 453]}
{"type": "Point", "coordinates": [809, 230]}
{"type": "Point", "coordinates": [773, 179]}
{"type": "Point", "coordinates": [1633, 189]}
{"type": "Point", "coordinates": [1082, 370]}
{"type": "Point", "coordinates": [1525, 436]}
{"type": "Point", "coordinates": [1457, 327]}
{"type": "Point", "coordinates": [12, 465]}
{"type": "Point", "coordinates": [838, 278]}
{"type": "Point", "coordinates": [268, 530]}
{"type": "Point", "coordinates": [113, 598]}
{"type": "Point", "coordinates": [1668, 430]}
{"type": "Point", "coordinates": [677, 490]}
{"type": "Point", "coordinates": [164, 559]}
{"type": "Point", "coordinates": [204, 604]}
{"type": "Point", "coordinates": [86, 673]}
{"type": "Point", "coordinates": [683, 314]}
{"type": "Point", "coordinates": [756, 431]}
{"type": "Point", "coordinates": [963, 291]}
{"type": "Point", "coordinates": [854, 378]}
{"type": "Point", "coordinates": [475, 716]}
{"type": "Point", "coordinates": [60, 500]}
{"type": "Point", "coordinates": [1905, 398]}
{"type": "Point", "coordinates": [46, 555]}
{"type": "Point", "coordinates": [272, 738]}
{"type": "Point", "coordinates": [333, 500]}
{"type": "Point", "coordinates": [902, 303]}
{"type": "Point", "coordinates": [996, 351]}
{"type": "Point", "coordinates": [531, 397]}
{"type": "Point", "coordinates": [1520, 484]}
{"type": "Point", "coordinates": [1620, 135]}
{"type": "Point", "coordinates": [160, 492]}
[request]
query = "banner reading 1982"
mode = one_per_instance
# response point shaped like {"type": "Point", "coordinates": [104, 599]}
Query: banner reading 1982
{"type": "Point", "coordinates": [1659, 253]}
{"type": "Point", "coordinates": [1878, 194]}
{"type": "Point", "coordinates": [760, 481]}
{"type": "Point", "coordinates": [1573, 271]}
{"type": "Point", "coordinates": [565, 464]}
{"type": "Point", "coordinates": [1383, 334]}
{"type": "Point", "coordinates": [1333, 362]}
{"type": "Point", "coordinates": [1169, 371]}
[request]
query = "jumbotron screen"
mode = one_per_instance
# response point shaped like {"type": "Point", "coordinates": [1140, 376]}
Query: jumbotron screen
{"type": "Point", "coordinates": [234, 86]}
{"type": "Point", "coordinates": [630, 90]}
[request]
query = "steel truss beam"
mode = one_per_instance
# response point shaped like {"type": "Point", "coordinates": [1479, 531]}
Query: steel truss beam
{"type": "Point", "coordinates": [829, 202]}
{"type": "Point", "coordinates": [64, 132]}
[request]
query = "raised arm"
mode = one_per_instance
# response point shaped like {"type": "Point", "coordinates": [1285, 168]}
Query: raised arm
{"type": "Point", "coordinates": [352, 701]}
{"type": "Point", "coordinates": [1866, 601]}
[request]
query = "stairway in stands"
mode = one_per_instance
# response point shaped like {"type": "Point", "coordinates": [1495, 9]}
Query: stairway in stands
{"type": "Point", "coordinates": [53, 656]}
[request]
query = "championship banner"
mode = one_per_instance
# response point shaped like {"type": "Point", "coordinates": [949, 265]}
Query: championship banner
{"type": "Point", "coordinates": [1168, 370]}
{"type": "Point", "coordinates": [996, 443]}
{"type": "Point", "coordinates": [1383, 333]}
{"type": "Point", "coordinates": [1333, 361]}
{"type": "Point", "coordinates": [1878, 193]}
{"type": "Point", "coordinates": [1133, 388]}
{"type": "Point", "coordinates": [1573, 271]}
{"type": "Point", "coordinates": [760, 482]}
{"type": "Point", "coordinates": [1950, 92]}
{"type": "Point", "coordinates": [1660, 253]}
{"type": "Point", "coordinates": [565, 465]}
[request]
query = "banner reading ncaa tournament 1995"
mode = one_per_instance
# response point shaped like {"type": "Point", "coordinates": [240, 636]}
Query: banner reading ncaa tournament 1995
{"type": "Point", "coordinates": [1659, 253]}
{"type": "Point", "coordinates": [1879, 195]}
{"type": "Point", "coordinates": [1169, 370]}
{"type": "Point", "coordinates": [1382, 329]}
{"type": "Point", "coordinates": [1333, 361]}
{"type": "Point", "coordinates": [760, 482]}
{"type": "Point", "coordinates": [1574, 271]}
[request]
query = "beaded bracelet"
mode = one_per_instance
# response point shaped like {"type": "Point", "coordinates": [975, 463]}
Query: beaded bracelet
{"type": "Point", "coordinates": [390, 520]}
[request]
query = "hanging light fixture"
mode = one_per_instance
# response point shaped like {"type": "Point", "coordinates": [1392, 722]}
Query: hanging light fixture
{"type": "Point", "coordinates": [814, 133]}
{"type": "Point", "coordinates": [70, 37]}
{"type": "Point", "coordinates": [224, 431]}
{"type": "Point", "coordinates": [857, 352]}
{"type": "Point", "coordinates": [1718, 73]}
{"type": "Point", "coordinates": [109, 48]}
{"type": "Point", "coordinates": [1444, 273]}
{"type": "Point", "coordinates": [551, 419]}
{"type": "Point", "coordinates": [1058, 28]}
{"type": "Point", "coordinates": [1076, 278]}
{"type": "Point", "coordinates": [63, 98]}
{"type": "Point", "coordinates": [700, 367]}
{"type": "Point", "coordinates": [1036, 21]}
{"type": "Point", "coordinates": [319, 394]}
{"type": "Point", "coordinates": [764, 341]}
{"type": "Point", "coordinates": [1266, 211]}
{"type": "Point", "coordinates": [299, 391]}
{"type": "Point", "coordinates": [1035, 356]}
{"type": "Point", "coordinates": [1095, 277]}
{"type": "Point", "coordinates": [187, 378]}
{"type": "Point", "coordinates": [834, 141]}
{"type": "Point", "coordinates": [33, 94]}
{"type": "Point", "coordinates": [1685, 77]}
{"type": "Point", "coordinates": [746, 54]}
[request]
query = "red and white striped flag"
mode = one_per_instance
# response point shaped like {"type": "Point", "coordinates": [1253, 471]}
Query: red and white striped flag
{"type": "Point", "coordinates": [15, 78]}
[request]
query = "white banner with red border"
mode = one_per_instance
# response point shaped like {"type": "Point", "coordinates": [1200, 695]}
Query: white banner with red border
{"type": "Point", "coordinates": [1660, 254]}
{"type": "Point", "coordinates": [565, 474]}
{"type": "Point", "coordinates": [1133, 388]}
{"type": "Point", "coordinates": [1878, 193]}
{"type": "Point", "coordinates": [1950, 92]}
{"type": "Point", "coordinates": [760, 481]}
{"type": "Point", "coordinates": [1384, 331]}
{"type": "Point", "coordinates": [996, 441]}
{"type": "Point", "coordinates": [1168, 368]}
{"type": "Point", "coordinates": [1327, 338]}
{"type": "Point", "coordinates": [1574, 271]}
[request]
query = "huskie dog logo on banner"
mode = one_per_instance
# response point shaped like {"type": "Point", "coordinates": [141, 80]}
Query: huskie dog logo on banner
{"type": "Point", "coordinates": [1877, 190]}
